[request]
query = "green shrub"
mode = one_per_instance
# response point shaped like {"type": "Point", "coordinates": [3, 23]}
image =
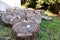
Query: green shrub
{"type": "Point", "coordinates": [52, 5]}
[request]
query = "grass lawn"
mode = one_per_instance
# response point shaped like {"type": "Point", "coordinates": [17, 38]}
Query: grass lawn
{"type": "Point", "coordinates": [49, 30]}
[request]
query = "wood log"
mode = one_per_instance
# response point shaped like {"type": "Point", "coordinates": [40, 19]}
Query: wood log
{"type": "Point", "coordinates": [6, 17]}
{"type": "Point", "coordinates": [16, 20]}
{"type": "Point", "coordinates": [25, 30]}
{"type": "Point", "coordinates": [20, 12]}
{"type": "Point", "coordinates": [33, 15]}
{"type": "Point", "coordinates": [1, 13]}
{"type": "Point", "coordinates": [38, 16]}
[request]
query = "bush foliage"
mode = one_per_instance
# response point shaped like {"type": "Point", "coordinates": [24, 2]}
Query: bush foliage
{"type": "Point", "coordinates": [52, 5]}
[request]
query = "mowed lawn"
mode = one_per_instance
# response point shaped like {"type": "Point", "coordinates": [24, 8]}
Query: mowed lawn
{"type": "Point", "coordinates": [49, 30]}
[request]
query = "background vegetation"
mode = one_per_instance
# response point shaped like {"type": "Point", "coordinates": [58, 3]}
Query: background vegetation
{"type": "Point", "coordinates": [52, 5]}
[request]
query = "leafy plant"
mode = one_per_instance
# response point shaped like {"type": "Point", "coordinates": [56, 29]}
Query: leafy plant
{"type": "Point", "coordinates": [52, 5]}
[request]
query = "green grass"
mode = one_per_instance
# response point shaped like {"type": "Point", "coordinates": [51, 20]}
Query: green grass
{"type": "Point", "coordinates": [5, 30]}
{"type": "Point", "coordinates": [49, 30]}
